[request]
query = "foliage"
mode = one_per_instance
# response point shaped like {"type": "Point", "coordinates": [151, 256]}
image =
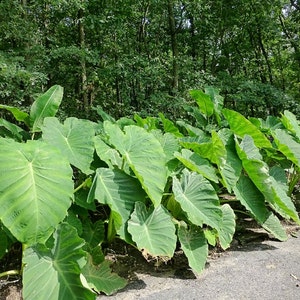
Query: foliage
{"type": "Point", "coordinates": [161, 183]}
{"type": "Point", "coordinates": [143, 56]}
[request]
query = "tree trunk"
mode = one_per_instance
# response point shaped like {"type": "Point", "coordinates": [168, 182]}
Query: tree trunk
{"type": "Point", "coordinates": [174, 45]}
{"type": "Point", "coordinates": [83, 85]}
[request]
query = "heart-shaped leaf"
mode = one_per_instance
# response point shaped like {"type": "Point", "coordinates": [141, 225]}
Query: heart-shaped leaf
{"type": "Point", "coordinates": [56, 269]}
{"type": "Point", "coordinates": [36, 189]}
{"type": "Point", "coordinates": [194, 246]}
{"type": "Point", "coordinates": [144, 155]}
{"type": "Point", "coordinates": [101, 279]}
{"type": "Point", "coordinates": [198, 199]}
{"type": "Point", "coordinates": [74, 138]}
{"type": "Point", "coordinates": [153, 230]}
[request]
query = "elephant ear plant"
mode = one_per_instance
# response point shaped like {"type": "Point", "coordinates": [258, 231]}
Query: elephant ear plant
{"type": "Point", "coordinates": [69, 188]}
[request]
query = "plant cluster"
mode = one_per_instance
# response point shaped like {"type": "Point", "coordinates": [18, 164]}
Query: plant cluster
{"type": "Point", "coordinates": [68, 187]}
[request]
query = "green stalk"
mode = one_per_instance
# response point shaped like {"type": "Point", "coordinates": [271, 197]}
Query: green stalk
{"type": "Point", "coordinates": [10, 272]}
{"type": "Point", "coordinates": [82, 185]}
{"type": "Point", "coordinates": [111, 232]}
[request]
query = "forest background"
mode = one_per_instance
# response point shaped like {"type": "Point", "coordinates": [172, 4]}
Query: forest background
{"type": "Point", "coordinates": [143, 56]}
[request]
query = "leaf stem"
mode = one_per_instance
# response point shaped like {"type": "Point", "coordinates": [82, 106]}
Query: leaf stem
{"type": "Point", "coordinates": [10, 272]}
{"type": "Point", "coordinates": [82, 185]}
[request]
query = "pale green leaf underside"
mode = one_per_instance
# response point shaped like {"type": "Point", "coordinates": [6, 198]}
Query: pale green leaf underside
{"type": "Point", "coordinates": [56, 270]}
{"type": "Point", "coordinates": [228, 226]}
{"type": "Point", "coordinates": [198, 199]}
{"type": "Point", "coordinates": [74, 138]}
{"type": "Point", "coordinates": [36, 189]}
{"type": "Point", "coordinates": [194, 246]}
{"type": "Point", "coordinates": [153, 230]}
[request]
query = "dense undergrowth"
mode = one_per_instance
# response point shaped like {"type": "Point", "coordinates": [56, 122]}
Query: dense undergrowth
{"type": "Point", "coordinates": [66, 188]}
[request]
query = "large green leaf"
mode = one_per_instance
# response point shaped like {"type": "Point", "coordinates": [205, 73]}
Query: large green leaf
{"type": "Point", "coordinates": [36, 189]}
{"type": "Point", "coordinates": [169, 126]}
{"type": "Point", "coordinates": [93, 233]}
{"type": "Point", "coordinates": [101, 279]}
{"type": "Point", "coordinates": [227, 229]}
{"type": "Point", "coordinates": [74, 138]}
{"type": "Point", "coordinates": [287, 145]}
{"type": "Point", "coordinates": [211, 148]}
{"type": "Point", "coordinates": [289, 120]}
{"type": "Point", "coordinates": [258, 171]}
{"type": "Point", "coordinates": [198, 164]}
{"type": "Point", "coordinates": [153, 230]}
{"type": "Point", "coordinates": [253, 200]}
{"type": "Point", "coordinates": [194, 245]}
{"type": "Point", "coordinates": [198, 199]}
{"type": "Point", "coordinates": [145, 156]}
{"type": "Point", "coordinates": [118, 190]}
{"type": "Point", "coordinates": [45, 106]}
{"type": "Point", "coordinates": [241, 127]}
{"type": "Point", "coordinates": [108, 154]}
{"type": "Point", "coordinates": [204, 102]}
{"type": "Point", "coordinates": [54, 273]}
{"type": "Point", "coordinates": [19, 115]}
{"type": "Point", "coordinates": [229, 164]}
{"type": "Point", "coordinates": [169, 143]}
{"type": "Point", "coordinates": [11, 130]}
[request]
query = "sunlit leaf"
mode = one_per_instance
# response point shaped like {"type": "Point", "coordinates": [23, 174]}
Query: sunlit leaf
{"type": "Point", "coordinates": [291, 123]}
{"type": "Point", "coordinates": [198, 164]}
{"type": "Point", "coordinates": [36, 189]}
{"type": "Point", "coordinates": [241, 127]}
{"type": "Point", "coordinates": [56, 269]}
{"type": "Point", "coordinates": [227, 229]}
{"type": "Point", "coordinates": [45, 106]}
{"type": "Point", "coordinates": [253, 200]}
{"type": "Point", "coordinates": [287, 145]}
{"type": "Point", "coordinates": [204, 102]}
{"type": "Point", "coordinates": [194, 246]}
{"type": "Point", "coordinates": [101, 279]}
{"type": "Point", "coordinates": [198, 199]}
{"type": "Point", "coordinates": [74, 138]}
{"type": "Point", "coordinates": [153, 230]}
{"type": "Point", "coordinates": [19, 115]}
{"type": "Point", "coordinates": [144, 155]}
{"type": "Point", "coordinates": [258, 171]}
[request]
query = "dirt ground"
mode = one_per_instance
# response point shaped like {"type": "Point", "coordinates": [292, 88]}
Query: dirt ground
{"type": "Point", "coordinates": [254, 267]}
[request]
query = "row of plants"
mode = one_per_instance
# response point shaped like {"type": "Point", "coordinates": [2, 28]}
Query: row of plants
{"type": "Point", "coordinates": [67, 187]}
